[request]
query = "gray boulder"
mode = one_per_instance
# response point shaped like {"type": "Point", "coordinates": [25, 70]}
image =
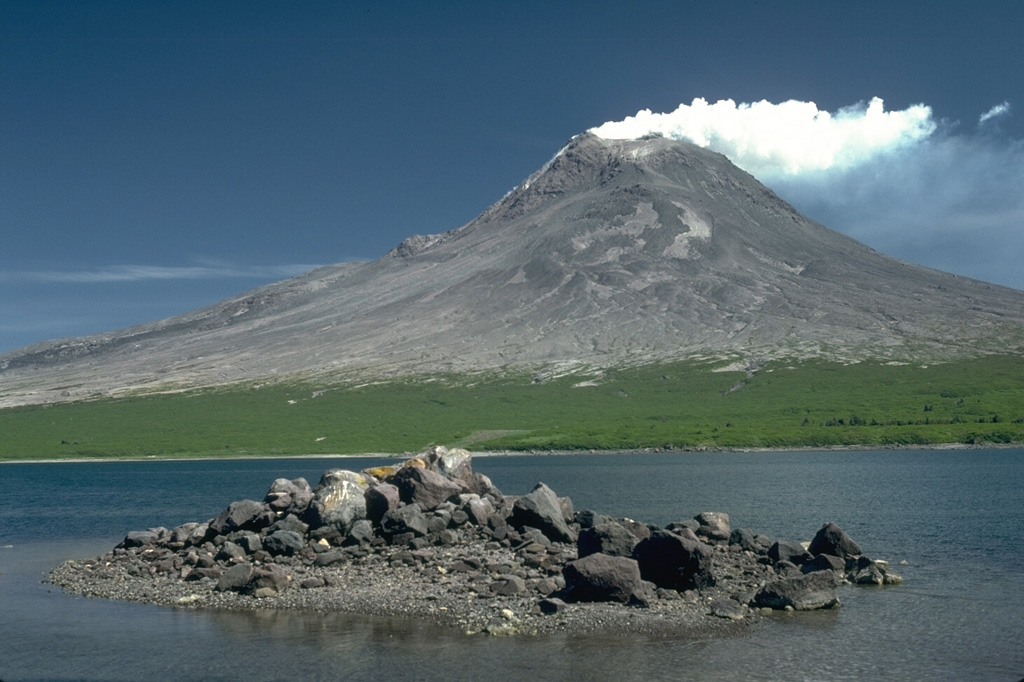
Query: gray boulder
{"type": "Point", "coordinates": [426, 488]}
{"type": "Point", "coordinates": [674, 562]}
{"type": "Point", "coordinates": [815, 590]}
{"type": "Point", "coordinates": [339, 500]}
{"type": "Point", "coordinates": [283, 543]}
{"type": "Point", "coordinates": [380, 499]}
{"type": "Point", "coordinates": [713, 525]}
{"type": "Point", "coordinates": [792, 552]}
{"type": "Point", "coordinates": [599, 577]}
{"type": "Point", "coordinates": [541, 509]}
{"type": "Point", "coordinates": [241, 515]}
{"type": "Point", "coordinates": [406, 519]}
{"type": "Point", "coordinates": [606, 538]}
{"type": "Point", "coordinates": [834, 541]}
{"type": "Point", "coordinates": [139, 538]}
{"type": "Point", "coordinates": [235, 578]}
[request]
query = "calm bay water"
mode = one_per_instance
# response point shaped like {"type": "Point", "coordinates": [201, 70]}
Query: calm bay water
{"type": "Point", "coordinates": [956, 517]}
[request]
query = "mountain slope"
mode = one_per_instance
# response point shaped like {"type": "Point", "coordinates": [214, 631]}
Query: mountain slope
{"type": "Point", "coordinates": [613, 252]}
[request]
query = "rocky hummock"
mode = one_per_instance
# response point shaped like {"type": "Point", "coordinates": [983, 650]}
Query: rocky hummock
{"type": "Point", "coordinates": [431, 538]}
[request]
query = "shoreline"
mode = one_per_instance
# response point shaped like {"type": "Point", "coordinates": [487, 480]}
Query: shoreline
{"type": "Point", "coordinates": [534, 453]}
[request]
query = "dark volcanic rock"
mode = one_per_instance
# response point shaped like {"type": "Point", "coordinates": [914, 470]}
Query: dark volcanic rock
{"type": "Point", "coordinates": [408, 518]}
{"type": "Point", "coordinates": [713, 525]}
{"type": "Point", "coordinates": [802, 593]}
{"type": "Point", "coordinates": [380, 499]}
{"type": "Point", "coordinates": [541, 509]}
{"type": "Point", "coordinates": [599, 577]}
{"type": "Point", "coordinates": [792, 552]}
{"type": "Point", "coordinates": [284, 542]}
{"type": "Point", "coordinates": [606, 538]}
{"type": "Point", "coordinates": [424, 487]}
{"type": "Point", "coordinates": [669, 560]}
{"type": "Point", "coordinates": [833, 540]}
{"type": "Point", "coordinates": [241, 515]}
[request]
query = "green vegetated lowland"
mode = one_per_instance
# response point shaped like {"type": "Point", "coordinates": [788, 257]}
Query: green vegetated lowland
{"type": "Point", "coordinates": [678, 405]}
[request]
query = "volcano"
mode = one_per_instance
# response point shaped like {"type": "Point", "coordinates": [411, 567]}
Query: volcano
{"type": "Point", "coordinates": [614, 252]}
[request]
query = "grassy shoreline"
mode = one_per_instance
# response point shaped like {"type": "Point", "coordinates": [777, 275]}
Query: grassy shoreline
{"type": "Point", "coordinates": [483, 454]}
{"type": "Point", "coordinates": [676, 407]}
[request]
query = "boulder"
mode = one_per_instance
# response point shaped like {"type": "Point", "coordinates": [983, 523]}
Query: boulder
{"type": "Point", "coordinates": [479, 510]}
{"type": "Point", "coordinates": [139, 538]}
{"type": "Point", "coordinates": [426, 488]}
{"type": "Point", "coordinates": [713, 525]}
{"type": "Point", "coordinates": [834, 541]}
{"type": "Point", "coordinates": [824, 562]}
{"type": "Point", "coordinates": [599, 577]}
{"type": "Point", "coordinates": [541, 509]}
{"type": "Point", "coordinates": [792, 552]}
{"type": "Point", "coordinates": [406, 519]}
{"type": "Point", "coordinates": [241, 515]}
{"type": "Point", "coordinates": [815, 590]}
{"type": "Point", "coordinates": [283, 542]}
{"type": "Point", "coordinates": [268, 580]}
{"type": "Point", "coordinates": [339, 500]}
{"type": "Point", "coordinates": [235, 578]}
{"type": "Point", "coordinates": [606, 538]}
{"type": "Point", "coordinates": [289, 522]}
{"type": "Point", "coordinates": [672, 561]}
{"type": "Point", "coordinates": [588, 518]}
{"type": "Point", "coordinates": [745, 539]}
{"type": "Point", "coordinates": [380, 499]}
{"type": "Point", "coordinates": [289, 496]}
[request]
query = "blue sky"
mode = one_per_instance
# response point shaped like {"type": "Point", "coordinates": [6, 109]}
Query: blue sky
{"type": "Point", "coordinates": [160, 156]}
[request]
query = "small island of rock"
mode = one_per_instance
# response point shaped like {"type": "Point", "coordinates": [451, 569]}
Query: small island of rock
{"type": "Point", "coordinates": [430, 538]}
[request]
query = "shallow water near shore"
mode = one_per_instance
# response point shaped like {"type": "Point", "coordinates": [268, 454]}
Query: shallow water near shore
{"type": "Point", "coordinates": [956, 517]}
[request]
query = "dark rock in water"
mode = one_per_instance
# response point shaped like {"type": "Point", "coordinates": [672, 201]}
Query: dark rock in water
{"type": "Point", "coordinates": [284, 543]}
{"type": "Point", "coordinates": [802, 593]}
{"type": "Point", "coordinates": [606, 538]}
{"type": "Point", "coordinates": [540, 508]}
{"type": "Point", "coordinates": [713, 525]}
{"type": "Point", "coordinates": [424, 487]}
{"type": "Point", "coordinates": [241, 515]}
{"type": "Point", "coordinates": [833, 540]}
{"type": "Point", "coordinates": [406, 519]}
{"type": "Point", "coordinates": [792, 552]}
{"type": "Point", "coordinates": [671, 561]}
{"type": "Point", "coordinates": [824, 562]}
{"type": "Point", "coordinates": [380, 499]}
{"type": "Point", "coordinates": [599, 577]}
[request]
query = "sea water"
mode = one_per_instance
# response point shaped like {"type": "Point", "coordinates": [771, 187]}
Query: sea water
{"type": "Point", "coordinates": [955, 516]}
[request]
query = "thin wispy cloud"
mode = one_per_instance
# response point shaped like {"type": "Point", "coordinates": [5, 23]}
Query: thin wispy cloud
{"type": "Point", "coordinates": [144, 273]}
{"type": "Point", "coordinates": [998, 110]}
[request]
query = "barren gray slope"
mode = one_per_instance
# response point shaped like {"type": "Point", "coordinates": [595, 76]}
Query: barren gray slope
{"type": "Point", "coordinates": [614, 251]}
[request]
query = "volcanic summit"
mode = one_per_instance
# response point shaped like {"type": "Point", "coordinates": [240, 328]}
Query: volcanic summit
{"type": "Point", "coordinates": [614, 252]}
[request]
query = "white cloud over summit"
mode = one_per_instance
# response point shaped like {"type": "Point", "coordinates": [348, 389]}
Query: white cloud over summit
{"type": "Point", "coordinates": [789, 138]}
{"type": "Point", "coordinates": [926, 190]}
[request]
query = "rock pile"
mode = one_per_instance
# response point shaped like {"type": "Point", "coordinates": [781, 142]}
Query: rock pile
{"type": "Point", "coordinates": [432, 538]}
